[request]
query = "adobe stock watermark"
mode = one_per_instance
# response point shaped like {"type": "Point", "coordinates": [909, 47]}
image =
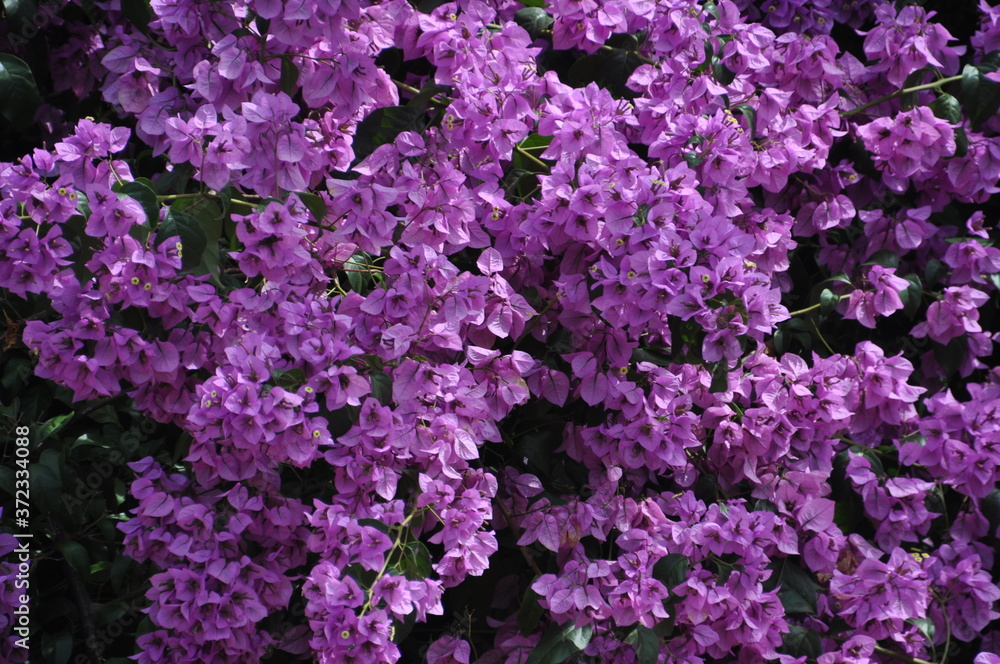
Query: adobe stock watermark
{"type": "Point", "coordinates": [99, 641]}
{"type": "Point", "coordinates": [40, 19]}
{"type": "Point", "coordinates": [21, 619]}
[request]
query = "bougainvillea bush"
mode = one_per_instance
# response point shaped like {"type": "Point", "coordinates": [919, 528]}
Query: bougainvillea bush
{"type": "Point", "coordinates": [619, 331]}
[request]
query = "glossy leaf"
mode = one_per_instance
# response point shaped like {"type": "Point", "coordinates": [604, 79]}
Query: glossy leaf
{"type": "Point", "coordinates": [534, 20]}
{"type": "Point", "coordinates": [559, 643]}
{"type": "Point", "coordinates": [383, 125]}
{"type": "Point", "coordinates": [19, 98]}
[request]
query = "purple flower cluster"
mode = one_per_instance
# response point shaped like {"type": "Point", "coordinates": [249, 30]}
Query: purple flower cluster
{"type": "Point", "coordinates": [526, 257]}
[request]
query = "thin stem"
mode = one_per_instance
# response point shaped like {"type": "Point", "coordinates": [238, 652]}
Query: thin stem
{"type": "Point", "coordinates": [531, 157]}
{"type": "Point", "coordinates": [899, 93]}
{"type": "Point", "coordinates": [900, 656]}
{"type": "Point", "coordinates": [806, 310]}
{"type": "Point", "coordinates": [388, 556]}
{"type": "Point", "coordinates": [821, 337]}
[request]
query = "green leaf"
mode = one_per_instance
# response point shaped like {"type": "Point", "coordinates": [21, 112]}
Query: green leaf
{"type": "Point", "coordinates": [926, 627]}
{"type": "Point", "coordinates": [720, 379]}
{"type": "Point", "coordinates": [190, 233]}
{"type": "Point", "coordinates": [422, 99]}
{"type": "Point", "coordinates": [530, 612]}
{"type": "Point", "coordinates": [934, 272]}
{"type": "Point", "coordinates": [980, 96]}
{"type": "Point", "coordinates": [381, 387]}
{"type": "Point", "coordinates": [828, 301]}
{"type": "Point", "coordinates": [885, 258]}
{"type": "Point", "coordinates": [798, 590]}
{"type": "Point", "coordinates": [912, 296]}
{"type": "Point", "coordinates": [57, 648]}
{"type": "Point", "coordinates": [76, 556]}
{"type": "Point", "coordinates": [961, 142]}
{"type": "Point", "coordinates": [723, 74]}
{"type": "Point", "coordinates": [357, 268]}
{"type": "Point", "coordinates": [750, 114]}
{"type": "Point", "coordinates": [951, 356]}
{"type": "Point", "coordinates": [671, 570]}
{"type": "Point", "coordinates": [534, 20]}
{"type": "Point", "coordinates": [19, 98]}
{"type": "Point", "coordinates": [946, 107]}
{"type": "Point", "coordinates": [559, 643]}
{"type": "Point", "coordinates": [53, 426]}
{"type": "Point", "coordinates": [19, 11]}
{"type": "Point", "coordinates": [315, 204]}
{"type": "Point", "coordinates": [801, 642]}
{"type": "Point", "coordinates": [534, 3]}
{"type": "Point", "coordinates": [647, 644]}
{"type": "Point", "coordinates": [609, 69]}
{"type": "Point", "coordinates": [383, 125]}
{"type": "Point", "coordinates": [138, 13]}
{"type": "Point", "coordinates": [289, 75]}
{"type": "Point", "coordinates": [418, 561]}
{"type": "Point", "coordinates": [144, 193]}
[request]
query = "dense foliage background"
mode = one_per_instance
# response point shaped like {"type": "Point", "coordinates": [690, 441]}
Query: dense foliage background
{"type": "Point", "coordinates": [523, 332]}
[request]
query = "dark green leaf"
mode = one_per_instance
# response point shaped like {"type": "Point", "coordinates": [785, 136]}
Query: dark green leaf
{"type": "Point", "coordinates": [947, 108]}
{"type": "Point", "coordinates": [994, 279]}
{"type": "Point", "coordinates": [422, 99]}
{"type": "Point", "coordinates": [53, 426]}
{"type": "Point", "coordinates": [18, 12]}
{"type": "Point", "coordinates": [671, 569]}
{"type": "Point", "coordinates": [559, 643]}
{"type": "Point", "coordinates": [138, 13]}
{"type": "Point", "coordinates": [723, 74]}
{"type": "Point", "coordinates": [529, 613]}
{"type": "Point", "coordinates": [916, 78]}
{"type": "Point", "coordinates": [934, 272]}
{"type": "Point", "coordinates": [315, 204]}
{"type": "Point", "coordinates": [190, 232]}
{"type": "Point", "coordinates": [828, 301]}
{"type": "Point", "coordinates": [383, 125]}
{"type": "Point", "coordinates": [76, 556]}
{"type": "Point", "coordinates": [780, 342]}
{"type": "Point", "coordinates": [885, 258]}
{"type": "Point", "coordinates": [980, 96]}
{"type": "Point", "coordinates": [146, 196]}
{"type": "Point", "coordinates": [961, 142]}
{"type": "Point", "coordinates": [647, 644]}
{"type": "Point", "coordinates": [609, 69]}
{"type": "Point", "coordinates": [912, 296]}
{"type": "Point", "coordinates": [801, 642]}
{"type": "Point", "coordinates": [418, 561]}
{"type": "Point", "coordinates": [750, 114]}
{"type": "Point", "coordinates": [111, 612]}
{"type": "Point", "coordinates": [19, 98]}
{"type": "Point", "coordinates": [798, 589]}
{"type": "Point", "coordinates": [374, 523]}
{"type": "Point", "coordinates": [57, 648]}
{"type": "Point", "coordinates": [534, 3]}
{"type": "Point", "coordinates": [762, 505]}
{"type": "Point", "coordinates": [720, 379]}
{"type": "Point", "coordinates": [381, 387]}
{"type": "Point", "coordinates": [358, 271]}
{"type": "Point", "coordinates": [534, 20]}
{"type": "Point", "coordinates": [289, 75]}
{"type": "Point", "coordinates": [951, 356]}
